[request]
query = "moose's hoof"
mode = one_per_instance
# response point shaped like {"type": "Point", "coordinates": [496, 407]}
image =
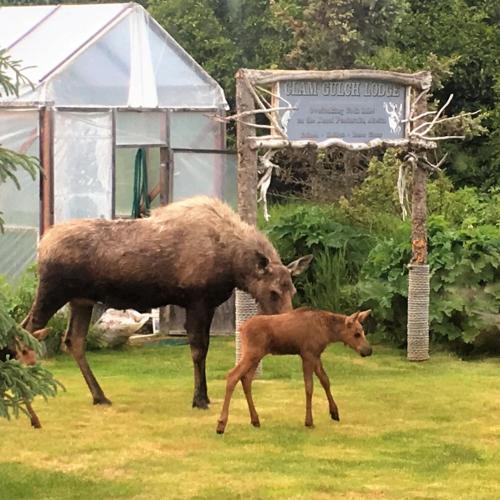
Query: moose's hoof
{"type": "Point", "coordinates": [255, 423]}
{"type": "Point", "coordinates": [201, 403]}
{"type": "Point", "coordinates": [309, 425]}
{"type": "Point", "coordinates": [102, 401]}
{"type": "Point", "coordinates": [335, 415]}
{"type": "Point", "coordinates": [220, 427]}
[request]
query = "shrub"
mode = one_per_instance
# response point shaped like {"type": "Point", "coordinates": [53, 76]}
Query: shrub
{"type": "Point", "coordinates": [465, 282]}
{"type": "Point", "coordinates": [339, 251]}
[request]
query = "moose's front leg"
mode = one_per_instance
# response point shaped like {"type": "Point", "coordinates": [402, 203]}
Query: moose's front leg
{"type": "Point", "coordinates": [198, 321]}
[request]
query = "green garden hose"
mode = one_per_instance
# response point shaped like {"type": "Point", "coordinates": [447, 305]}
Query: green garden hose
{"type": "Point", "coordinates": [141, 194]}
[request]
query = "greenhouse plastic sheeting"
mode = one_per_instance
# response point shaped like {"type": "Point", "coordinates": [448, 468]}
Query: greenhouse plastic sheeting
{"type": "Point", "coordinates": [20, 207]}
{"type": "Point", "coordinates": [194, 130]}
{"type": "Point", "coordinates": [112, 55]}
{"type": "Point", "coordinates": [211, 174]}
{"type": "Point", "coordinates": [17, 250]}
{"type": "Point", "coordinates": [146, 127]}
{"type": "Point", "coordinates": [83, 152]}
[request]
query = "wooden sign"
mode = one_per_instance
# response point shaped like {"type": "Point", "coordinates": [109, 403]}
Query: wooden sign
{"type": "Point", "coordinates": [354, 110]}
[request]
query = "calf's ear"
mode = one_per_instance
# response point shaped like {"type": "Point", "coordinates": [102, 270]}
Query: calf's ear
{"type": "Point", "coordinates": [41, 334]}
{"type": "Point", "coordinates": [351, 319]}
{"type": "Point", "coordinates": [363, 315]}
{"type": "Point", "coordinates": [300, 265]}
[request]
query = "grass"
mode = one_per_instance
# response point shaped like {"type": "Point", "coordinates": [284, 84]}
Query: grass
{"type": "Point", "coordinates": [407, 430]}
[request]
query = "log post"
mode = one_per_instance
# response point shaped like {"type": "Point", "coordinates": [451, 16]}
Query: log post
{"type": "Point", "coordinates": [247, 157]}
{"type": "Point", "coordinates": [166, 190]}
{"type": "Point", "coordinates": [46, 125]}
{"type": "Point", "coordinates": [418, 277]}
{"type": "Point", "coordinates": [247, 190]}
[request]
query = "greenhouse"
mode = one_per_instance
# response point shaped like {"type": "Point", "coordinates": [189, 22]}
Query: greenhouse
{"type": "Point", "coordinates": [113, 98]}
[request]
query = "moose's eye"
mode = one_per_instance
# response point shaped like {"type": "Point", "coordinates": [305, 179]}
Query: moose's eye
{"type": "Point", "coordinates": [357, 334]}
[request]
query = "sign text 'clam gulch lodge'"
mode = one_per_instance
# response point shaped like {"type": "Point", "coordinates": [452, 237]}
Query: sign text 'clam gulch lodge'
{"type": "Point", "coordinates": [353, 110]}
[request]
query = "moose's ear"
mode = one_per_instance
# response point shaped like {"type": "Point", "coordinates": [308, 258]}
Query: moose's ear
{"type": "Point", "coordinates": [363, 315]}
{"type": "Point", "coordinates": [262, 262]}
{"type": "Point", "coordinates": [300, 265]}
{"type": "Point", "coordinates": [41, 334]}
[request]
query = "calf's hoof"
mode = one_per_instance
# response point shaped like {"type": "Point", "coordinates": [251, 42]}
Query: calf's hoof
{"type": "Point", "coordinates": [310, 425]}
{"type": "Point", "coordinates": [335, 415]}
{"type": "Point", "coordinates": [221, 426]}
{"type": "Point", "coordinates": [102, 401]}
{"type": "Point", "coordinates": [255, 423]}
{"type": "Point", "coordinates": [35, 423]}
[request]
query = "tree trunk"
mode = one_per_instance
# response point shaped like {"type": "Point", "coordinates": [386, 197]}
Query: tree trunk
{"type": "Point", "coordinates": [247, 190]}
{"type": "Point", "coordinates": [418, 279]}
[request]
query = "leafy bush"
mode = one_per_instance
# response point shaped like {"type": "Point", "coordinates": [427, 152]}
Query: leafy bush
{"type": "Point", "coordinates": [339, 251]}
{"type": "Point", "coordinates": [465, 282]}
{"type": "Point", "coordinates": [362, 249]}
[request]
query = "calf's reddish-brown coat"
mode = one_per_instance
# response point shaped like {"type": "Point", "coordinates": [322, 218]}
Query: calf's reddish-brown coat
{"type": "Point", "coordinates": [306, 332]}
{"type": "Point", "coordinates": [25, 356]}
{"type": "Point", "coordinates": [191, 253]}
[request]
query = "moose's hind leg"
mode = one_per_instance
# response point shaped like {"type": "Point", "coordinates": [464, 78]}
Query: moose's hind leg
{"type": "Point", "coordinates": [246, 382]}
{"type": "Point", "coordinates": [75, 340]}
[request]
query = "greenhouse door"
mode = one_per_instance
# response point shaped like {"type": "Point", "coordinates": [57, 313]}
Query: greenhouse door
{"type": "Point", "coordinates": [133, 164]}
{"type": "Point", "coordinates": [141, 146]}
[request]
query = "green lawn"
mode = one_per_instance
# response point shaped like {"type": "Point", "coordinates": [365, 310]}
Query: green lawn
{"type": "Point", "coordinates": [429, 430]}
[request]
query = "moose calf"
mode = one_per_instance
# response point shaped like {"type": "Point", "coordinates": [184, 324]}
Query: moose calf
{"type": "Point", "coordinates": [306, 332]}
{"type": "Point", "coordinates": [25, 356]}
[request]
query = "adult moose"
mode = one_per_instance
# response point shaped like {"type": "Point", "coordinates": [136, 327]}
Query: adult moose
{"type": "Point", "coordinates": [191, 253]}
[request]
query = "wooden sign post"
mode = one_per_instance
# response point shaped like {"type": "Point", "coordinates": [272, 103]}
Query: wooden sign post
{"type": "Point", "coordinates": [356, 110]}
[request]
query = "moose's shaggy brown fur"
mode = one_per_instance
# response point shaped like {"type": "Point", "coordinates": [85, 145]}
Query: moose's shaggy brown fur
{"type": "Point", "coordinates": [191, 253]}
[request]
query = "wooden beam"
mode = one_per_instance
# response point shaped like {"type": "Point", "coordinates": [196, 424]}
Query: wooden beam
{"type": "Point", "coordinates": [46, 125]}
{"type": "Point", "coordinates": [421, 80]}
{"type": "Point", "coordinates": [271, 142]}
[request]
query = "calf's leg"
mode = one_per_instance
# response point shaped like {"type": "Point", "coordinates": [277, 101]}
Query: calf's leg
{"type": "Point", "coordinates": [75, 340]}
{"type": "Point", "coordinates": [325, 382]}
{"type": "Point", "coordinates": [233, 377]}
{"type": "Point", "coordinates": [246, 382]}
{"type": "Point", "coordinates": [43, 308]}
{"type": "Point", "coordinates": [198, 320]}
{"type": "Point", "coordinates": [308, 366]}
{"type": "Point", "coordinates": [35, 422]}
